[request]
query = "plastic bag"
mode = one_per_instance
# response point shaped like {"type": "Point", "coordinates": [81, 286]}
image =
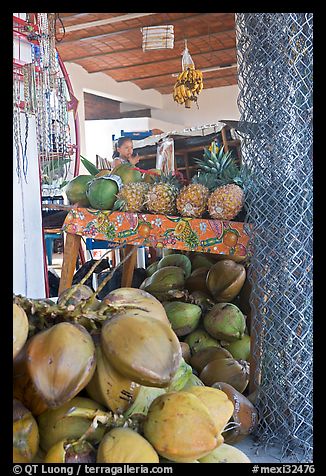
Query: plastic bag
{"type": "Point", "coordinates": [165, 155]}
{"type": "Point", "coordinates": [187, 61]}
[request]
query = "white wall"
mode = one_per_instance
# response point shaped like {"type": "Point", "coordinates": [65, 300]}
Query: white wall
{"type": "Point", "coordinates": [214, 105]}
{"type": "Point", "coordinates": [101, 84]}
{"type": "Point", "coordinates": [28, 259]}
{"type": "Point", "coordinates": [98, 133]}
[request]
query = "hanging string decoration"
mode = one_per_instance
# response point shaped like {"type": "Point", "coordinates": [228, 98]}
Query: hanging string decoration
{"type": "Point", "coordinates": [53, 133]}
{"type": "Point", "coordinates": [189, 83]}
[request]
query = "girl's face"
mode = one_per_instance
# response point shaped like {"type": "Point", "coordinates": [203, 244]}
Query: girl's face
{"type": "Point", "coordinates": [126, 150]}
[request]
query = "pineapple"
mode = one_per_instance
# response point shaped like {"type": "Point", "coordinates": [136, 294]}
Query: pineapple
{"type": "Point", "coordinates": [131, 197]}
{"type": "Point", "coordinates": [226, 202]}
{"type": "Point", "coordinates": [227, 180]}
{"type": "Point", "coordinates": [192, 200]}
{"type": "Point", "coordinates": [162, 195]}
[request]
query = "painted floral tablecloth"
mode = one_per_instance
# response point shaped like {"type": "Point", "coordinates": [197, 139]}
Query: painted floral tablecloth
{"type": "Point", "coordinates": [159, 231]}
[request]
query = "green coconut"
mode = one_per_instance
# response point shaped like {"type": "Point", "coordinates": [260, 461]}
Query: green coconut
{"type": "Point", "coordinates": [181, 377]}
{"type": "Point", "coordinates": [176, 260]}
{"type": "Point", "coordinates": [239, 349]}
{"type": "Point", "coordinates": [200, 339]}
{"type": "Point", "coordinates": [184, 317]}
{"type": "Point", "coordinates": [193, 381]}
{"type": "Point", "coordinates": [225, 321]}
{"type": "Point", "coordinates": [76, 190]}
{"type": "Point", "coordinates": [127, 173]}
{"type": "Point", "coordinates": [151, 268]}
{"type": "Point", "coordinates": [201, 261]}
{"type": "Point", "coordinates": [164, 280]}
{"type": "Point", "coordinates": [143, 400]}
{"type": "Point", "coordinates": [101, 192]}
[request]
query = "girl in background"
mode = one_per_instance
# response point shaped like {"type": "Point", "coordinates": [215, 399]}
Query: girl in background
{"type": "Point", "coordinates": [124, 152]}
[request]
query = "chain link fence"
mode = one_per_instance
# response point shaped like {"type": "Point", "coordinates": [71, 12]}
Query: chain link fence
{"type": "Point", "coordinates": [275, 101]}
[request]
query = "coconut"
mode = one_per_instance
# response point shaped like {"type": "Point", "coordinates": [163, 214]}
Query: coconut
{"type": "Point", "coordinates": [193, 381]}
{"type": "Point", "coordinates": [200, 339]}
{"type": "Point", "coordinates": [180, 427]}
{"type": "Point", "coordinates": [76, 190]}
{"type": "Point", "coordinates": [53, 427]}
{"type": "Point", "coordinates": [71, 452]}
{"type": "Point", "coordinates": [225, 454]}
{"type": "Point", "coordinates": [109, 387]}
{"type": "Point", "coordinates": [228, 370]}
{"type": "Point", "coordinates": [138, 299]}
{"type": "Point", "coordinates": [245, 415]}
{"type": "Point", "coordinates": [184, 317]}
{"type": "Point", "coordinates": [151, 268]}
{"type": "Point", "coordinates": [24, 389]}
{"type": "Point", "coordinates": [123, 445]}
{"type": "Point", "coordinates": [25, 434]}
{"type": "Point", "coordinates": [20, 329]}
{"type": "Point", "coordinates": [239, 349]}
{"type": "Point", "coordinates": [218, 404]}
{"type": "Point", "coordinates": [185, 349]}
{"type": "Point", "coordinates": [181, 377]}
{"type": "Point", "coordinates": [225, 280]}
{"type": "Point", "coordinates": [201, 358]}
{"type": "Point", "coordinates": [164, 280]}
{"type": "Point", "coordinates": [79, 292]}
{"type": "Point", "coordinates": [143, 401]}
{"type": "Point", "coordinates": [176, 260]}
{"type": "Point", "coordinates": [127, 173]}
{"type": "Point", "coordinates": [101, 192]}
{"type": "Point", "coordinates": [61, 362]}
{"type": "Point", "coordinates": [197, 280]}
{"type": "Point", "coordinates": [201, 260]}
{"type": "Point", "coordinates": [141, 348]}
{"type": "Point", "coordinates": [225, 322]}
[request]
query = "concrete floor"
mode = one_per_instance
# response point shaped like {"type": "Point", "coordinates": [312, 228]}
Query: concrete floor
{"type": "Point", "coordinates": [259, 454]}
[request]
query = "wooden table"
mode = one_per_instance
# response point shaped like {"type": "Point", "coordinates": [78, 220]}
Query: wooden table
{"type": "Point", "coordinates": [155, 231]}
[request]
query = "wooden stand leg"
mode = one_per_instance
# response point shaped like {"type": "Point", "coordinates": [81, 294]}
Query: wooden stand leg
{"type": "Point", "coordinates": [70, 253]}
{"type": "Point", "coordinates": [128, 266]}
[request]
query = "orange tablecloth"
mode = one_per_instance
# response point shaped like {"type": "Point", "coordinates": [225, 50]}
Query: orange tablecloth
{"type": "Point", "coordinates": [159, 231]}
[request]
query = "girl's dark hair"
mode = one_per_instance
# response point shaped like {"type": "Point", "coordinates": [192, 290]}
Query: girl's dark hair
{"type": "Point", "coordinates": [119, 143]}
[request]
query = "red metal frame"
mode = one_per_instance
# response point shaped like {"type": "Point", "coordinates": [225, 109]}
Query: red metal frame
{"type": "Point", "coordinates": [74, 104]}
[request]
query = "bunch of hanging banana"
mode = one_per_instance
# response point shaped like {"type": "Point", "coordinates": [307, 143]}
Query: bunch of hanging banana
{"type": "Point", "coordinates": [189, 84]}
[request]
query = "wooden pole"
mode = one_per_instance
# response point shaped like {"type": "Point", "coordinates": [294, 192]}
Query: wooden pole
{"type": "Point", "coordinates": [129, 266]}
{"type": "Point", "coordinates": [70, 253]}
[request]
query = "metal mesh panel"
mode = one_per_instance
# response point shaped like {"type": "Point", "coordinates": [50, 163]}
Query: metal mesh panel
{"type": "Point", "coordinates": [275, 101]}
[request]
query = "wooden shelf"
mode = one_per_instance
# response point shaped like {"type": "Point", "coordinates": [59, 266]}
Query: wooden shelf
{"type": "Point", "coordinates": [186, 153]}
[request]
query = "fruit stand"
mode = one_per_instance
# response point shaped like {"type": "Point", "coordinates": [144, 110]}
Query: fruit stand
{"type": "Point", "coordinates": [214, 344]}
{"type": "Point", "coordinates": [156, 231]}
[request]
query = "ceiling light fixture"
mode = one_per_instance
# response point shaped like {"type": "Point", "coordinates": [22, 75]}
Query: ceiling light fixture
{"type": "Point", "coordinates": [158, 37]}
{"type": "Point", "coordinates": [213, 68]}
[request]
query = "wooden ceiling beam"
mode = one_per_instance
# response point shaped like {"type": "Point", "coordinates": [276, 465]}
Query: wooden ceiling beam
{"type": "Point", "coordinates": [103, 36]}
{"type": "Point", "coordinates": [148, 83]}
{"type": "Point", "coordinates": [129, 50]}
{"type": "Point", "coordinates": [208, 81]}
{"type": "Point", "coordinates": [168, 60]}
{"type": "Point", "coordinates": [154, 75]}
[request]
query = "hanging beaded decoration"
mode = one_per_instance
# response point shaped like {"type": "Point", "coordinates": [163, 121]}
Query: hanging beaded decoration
{"type": "Point", "coordinates": [52, 111]}
{"type": "Point", "coordinates": [21, 149]}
